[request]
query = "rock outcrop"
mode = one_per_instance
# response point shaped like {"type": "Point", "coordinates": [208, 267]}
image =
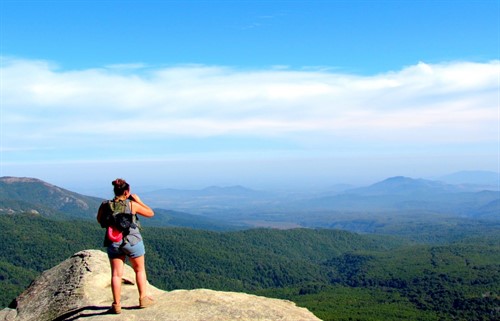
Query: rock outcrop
{"type": "Point", "coordinates": [79, 289]}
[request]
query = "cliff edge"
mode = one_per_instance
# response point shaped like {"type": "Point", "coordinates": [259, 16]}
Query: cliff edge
{"type": "Point", "coordinates": [79, 289]}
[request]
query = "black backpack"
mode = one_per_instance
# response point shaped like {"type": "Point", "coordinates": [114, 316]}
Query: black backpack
{"type": "Point", "coordinates": [117, 213]}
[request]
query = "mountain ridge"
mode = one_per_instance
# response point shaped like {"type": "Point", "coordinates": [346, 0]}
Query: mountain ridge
{"type": "Point", "coordinates": [33, 192]}
{"type": "Point", "coordinates": [401, 185]}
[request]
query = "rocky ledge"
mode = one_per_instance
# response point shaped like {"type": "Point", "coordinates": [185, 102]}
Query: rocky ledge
{"type": "Point", "coordinates": [79, 289]}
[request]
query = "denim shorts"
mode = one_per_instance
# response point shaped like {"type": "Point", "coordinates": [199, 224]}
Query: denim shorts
{"type": "Point", "coordinates": [117, 250]}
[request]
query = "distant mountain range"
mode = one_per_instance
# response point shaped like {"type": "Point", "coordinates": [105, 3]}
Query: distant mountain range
{"type": "Point", "coordinates": [394, 194]}
{"type": "Point", "coordinates": [401, 185]}
{"type": "Point", "coordinates": [403, 194]}
{"type": "Point", "coordinates": [236, 207]}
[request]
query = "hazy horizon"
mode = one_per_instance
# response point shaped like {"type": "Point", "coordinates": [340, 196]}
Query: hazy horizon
{"type": "Point", "coordinates": [489, 180]}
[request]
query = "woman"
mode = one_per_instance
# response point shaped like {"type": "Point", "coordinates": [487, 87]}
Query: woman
{"type": "Point", "coordinates": [130, 246]}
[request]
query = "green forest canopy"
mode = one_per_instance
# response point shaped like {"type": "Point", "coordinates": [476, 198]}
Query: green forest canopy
{"type": "Point", "coordinates": [338, 275]}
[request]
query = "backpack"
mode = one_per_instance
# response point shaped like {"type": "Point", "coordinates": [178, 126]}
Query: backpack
{"type": "Point", "coordinates": [116, 215]}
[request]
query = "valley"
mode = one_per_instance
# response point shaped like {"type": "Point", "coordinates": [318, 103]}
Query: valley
{"type": "Point", "coordinates": [399, 249]}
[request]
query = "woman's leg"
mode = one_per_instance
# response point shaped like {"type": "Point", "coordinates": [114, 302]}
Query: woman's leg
{"type": "Point", "coordinates": [138, 264]}
{"type": "Point", "coordinates": [116, 278]}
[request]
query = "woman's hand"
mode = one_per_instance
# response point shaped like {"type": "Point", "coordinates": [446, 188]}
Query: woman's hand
{"type": "Point", "coordinates": [135, 197]}
{"type": "Point", "coordinates": [138, 206]}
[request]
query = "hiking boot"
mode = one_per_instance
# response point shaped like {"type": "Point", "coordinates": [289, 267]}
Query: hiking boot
{"type": "Point", "coordinates": [146, 302]}
{"type": "Point", "coordinates": [116, 308]}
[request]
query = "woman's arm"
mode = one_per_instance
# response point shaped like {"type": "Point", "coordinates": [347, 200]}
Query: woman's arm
{"type": "Point", "coordinates": [138, 207]}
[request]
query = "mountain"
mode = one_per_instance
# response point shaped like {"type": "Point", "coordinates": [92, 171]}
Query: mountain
{"type": "Point", "coordinates": [407, 195]}
{"type": "Point", "coordinates": [22, 194]}
{"type": "Point", "coordinates": [401, 185]}
{"type": "Point", "coordinates": [79, 288]}
{"type": "Point", "coordinates": [491, 209]}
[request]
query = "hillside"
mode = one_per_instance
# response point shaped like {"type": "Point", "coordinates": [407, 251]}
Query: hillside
{"type": "Point", "coordinates": [335, 274]}
{"type": "Point", "coordinates": [22, 194]}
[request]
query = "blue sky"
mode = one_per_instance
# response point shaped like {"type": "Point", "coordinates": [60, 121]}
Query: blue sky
{"type": "Point", "coordinates": [265, 94]}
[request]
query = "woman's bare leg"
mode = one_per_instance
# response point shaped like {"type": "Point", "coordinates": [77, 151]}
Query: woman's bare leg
{"type": "Point", "coordinates": [138, 264]}
{"type": "Point", "coordinates": [116, 277]}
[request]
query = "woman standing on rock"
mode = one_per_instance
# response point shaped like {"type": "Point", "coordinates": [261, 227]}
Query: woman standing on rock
{"type": "Point", "coordinates": [130, 245]}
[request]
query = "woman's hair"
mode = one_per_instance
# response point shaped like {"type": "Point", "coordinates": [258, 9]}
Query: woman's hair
{"type": "Point", "coordinates": [120, 186]}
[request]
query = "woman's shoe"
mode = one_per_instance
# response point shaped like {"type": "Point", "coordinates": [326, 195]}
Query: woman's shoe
{"type": "Point", "coordinates": [116, 308]}
{"type": "Point", "coordinates": [146, 302]}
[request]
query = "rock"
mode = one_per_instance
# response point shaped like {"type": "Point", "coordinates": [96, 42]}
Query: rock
{"type": "Point", "coordinates": [80, 289]}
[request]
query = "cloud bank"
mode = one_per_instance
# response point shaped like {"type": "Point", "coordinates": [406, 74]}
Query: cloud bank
{"type": "Point", "coordinates": [47, 108]}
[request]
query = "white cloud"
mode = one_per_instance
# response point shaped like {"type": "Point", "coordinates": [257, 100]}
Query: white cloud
{"type": "Point", "coordinates": [439, 103]}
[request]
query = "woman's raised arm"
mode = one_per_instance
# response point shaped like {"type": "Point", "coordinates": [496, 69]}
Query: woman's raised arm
{"type": "Point", "coordinates": [138, 207]}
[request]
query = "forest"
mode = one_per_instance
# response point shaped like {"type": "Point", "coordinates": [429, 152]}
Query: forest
{"type": "Point", "coordinates": [337, 275]}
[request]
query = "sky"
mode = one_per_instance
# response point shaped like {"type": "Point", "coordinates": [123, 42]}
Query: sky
{"type": "Point", "coordinates": [264, 94]}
